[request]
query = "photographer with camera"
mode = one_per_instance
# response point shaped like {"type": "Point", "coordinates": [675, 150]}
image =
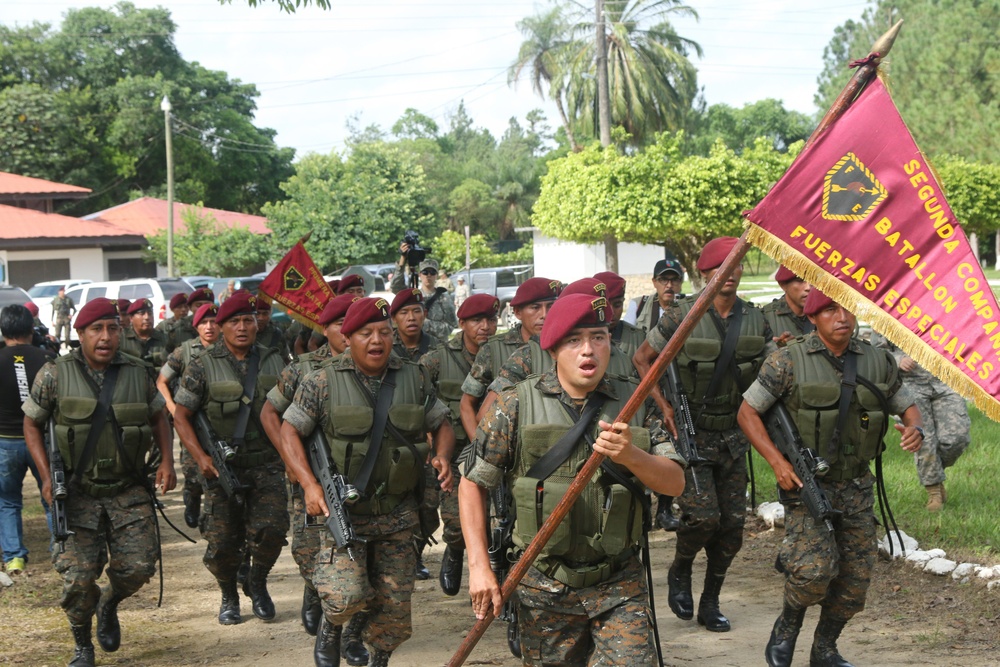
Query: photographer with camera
{"type": "Point", "coordinates": [441, 318]}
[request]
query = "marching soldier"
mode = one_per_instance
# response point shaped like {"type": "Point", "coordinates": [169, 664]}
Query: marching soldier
{"type": "Point", "coordinates": [785, 314]}
{"type": "Point", "coordinates": [623, 334]}
{"type": "Point", "coordinates": [108, 416]}
{"type": "Point", "coordinates": [375, 410]}
{"type": "Point", "coordinates": [184, 330]}
{"type": "Point", "coordinates": [584, 600]}
{"type": "Point", "coordinates": [268, 334]}
{"type": "Point", "coordinates": [179, 310]}
{"type": "Point", "coordinates": [141, 339]}
{"type": "Point", "coordinates": [448, 365]}
{"type": "Point", "coordinates": [831, 569]}
{"type": "Point", "coordinates": [408, 314]}
{"type": "Point", "coordinates": [719, 359]}
{"type": "Point", "coordinates": [167, 383]}
{"type": "Point", "coordinates": [352, 284]}
{"type": "Point", "coordinates": [438, 302]}
{"type": "Point", "coordinates": [230, 377]}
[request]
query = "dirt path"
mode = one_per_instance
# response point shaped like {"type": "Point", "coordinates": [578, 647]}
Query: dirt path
{"type": "Point", "coordinates": [911, 619]}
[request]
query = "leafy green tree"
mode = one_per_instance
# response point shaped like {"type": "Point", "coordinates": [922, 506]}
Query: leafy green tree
{"type": "Point", "coordinates": [207, 247]}
{"type": "Point", "coordinates": [973, 191]}
{"type": "Point", "coordinates": [357, 207]}
{"type": "Point", "coordinates": [472, 203]}
{"type": "Point", "coordinates": [449, 250]}
{"type": "Point", "coordinates": [739, 128]}
{"type": "Point", "coordinates": [942, 71]}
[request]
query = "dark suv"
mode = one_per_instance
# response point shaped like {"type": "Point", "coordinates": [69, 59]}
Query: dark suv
{"type": "Point", "coordinates": [501, 281]}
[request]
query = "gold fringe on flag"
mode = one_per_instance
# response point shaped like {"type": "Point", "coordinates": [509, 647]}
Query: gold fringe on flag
{"type": "Point", "coordinates": [879, 320]}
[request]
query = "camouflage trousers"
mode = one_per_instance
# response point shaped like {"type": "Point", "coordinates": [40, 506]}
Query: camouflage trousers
{"type": "Point", "coordinates": [260, 523]}
{"type": "Point", "coordinates": [305, 541]}
{"type": "Point", "coordinates": [831, 569]}
{"type": "Point", "coordinates": [119, 532]}
{"type": "Point", "coordinates": [379, 579]}
{"type": "Point", "coordinates": [713, 519]}
{"type": "Point", "coordinates": [606, 624]}
{"type": "Point", "coordinates": [452, 533]}
{"type": "Point", "coordinates": [193, 482]}
{"type": "Point", "coordinates": [946, 429]}
{"type": "Point", "coordinates": [429, 521]}
{"type": "Point", "coordinates": [62, 329]}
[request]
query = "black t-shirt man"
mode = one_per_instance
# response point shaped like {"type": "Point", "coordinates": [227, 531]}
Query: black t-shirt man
{"type": "Point", "coordinates": [18, 366]}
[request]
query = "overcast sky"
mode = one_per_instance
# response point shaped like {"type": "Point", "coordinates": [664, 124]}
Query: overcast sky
{"type": "Point", "coordinates": [376, 58]}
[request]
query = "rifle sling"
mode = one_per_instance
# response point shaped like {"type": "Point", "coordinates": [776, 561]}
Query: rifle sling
{"type": "Point", "coordinates": [99, 418]}
{"type": "Point", "coordinates": [727, 358]}
{"type": "Point", "coordinates": [559, 452]}
{"type": "Point", "coordinates": [438, 291]}
{"type": "Point", "coordinates": [848, 383]}
{"type": "Point", "coordinates": [246, 403]}
{"type": "Point", "coordinates": [381, 420]}
{"type": "Point", "coordinates": [425, 343]}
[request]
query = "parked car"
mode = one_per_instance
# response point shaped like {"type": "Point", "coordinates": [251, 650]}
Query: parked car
{"type": "Point", "coordinates": [43, 293]}
{"type": "Point", "coordinates": [248, 283]}
{"type": "Point", "coordinates": [501, 282]}
{"type": "Point", "coordinates": [157, 290]}
{"type": "Point", "coordinates": [197, 282]}
{"type": "Point", "coordinates": [10, 295]}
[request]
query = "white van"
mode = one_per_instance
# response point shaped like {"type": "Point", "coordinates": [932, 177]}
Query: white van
{"type": "Point", "coordinates": [157, 290]}
{"type": "Point", "coordinates": [43, 293]}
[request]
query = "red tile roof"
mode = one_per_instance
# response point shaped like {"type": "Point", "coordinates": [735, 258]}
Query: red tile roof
{"type": "Point", "coordinates": [147, 216]}
{"type": "Point", "coordinates": [22, 223]}
{"type": "Point", "coordinates": [12, 184]}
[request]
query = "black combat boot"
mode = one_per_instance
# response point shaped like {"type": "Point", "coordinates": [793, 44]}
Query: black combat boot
{"type": "Point", "coordinates": [708, 606]}
{"type": "Point", "coordinates": [824, 650]}
{"type": "Point", "coordinates": [352, 647]}
{"type": "Point", "coordinates": [423, 574]}
{"type": "Point", "coordinates": [781, 646]}
{"type": "Point", "coordinates": [679, 588]}
{"type": "Point", "coordinates": [84, 654]}
{"type": "Point", "coordinates": [255, 587]}
{"type": "Point", "coordinates": [665, 514]}
{"type": "Point", "coordinates": [451, 570]}
{"type": "Point", "coordinates": [380, 658]}
{"type": "Point", "coordinates": [109, 630]}
{"type": "Point", "coordinates": [326, 652]}
{"type": "Point", "coordinates": [312, 610]}
{"type": "Point", "coordinates": [229, 610]}
{"type": "Point", "coordinates": [192, 506]}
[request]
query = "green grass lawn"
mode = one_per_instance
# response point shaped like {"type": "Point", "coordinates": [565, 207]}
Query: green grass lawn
{"type": "Point", "coordinates": [968, 528]}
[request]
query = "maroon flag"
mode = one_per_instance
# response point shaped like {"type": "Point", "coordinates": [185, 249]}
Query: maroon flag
{"type": "Point", "coordinates": [298, 285]}
{"type": "Point", "coordinates": [861, 215]}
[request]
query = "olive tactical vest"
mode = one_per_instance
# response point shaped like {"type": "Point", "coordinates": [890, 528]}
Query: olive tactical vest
{"type": "Point", "coordinates": [500, 350]}
{"type": "Point", "coordinates": [451, 375]}
{"type": "Point", "coordinates": [620, 364]}
{"type": "Point", "coordinates": [631, 338]}
{"type": "Point", "coordinates": [223, 397]}
{"type": "Point", "coordinates": [697, 359]}
{"type": "Point", "coordinates": [784, 321]}
{"type": "Point", "coordinates": [814, 404]}
{"type": "Point", "coordinates": [110, 469]}
{"type": "Point", "coordinates": [350, 417]}
{"type": "Point", "coordinates": [606, 520]}
{"type": "Point", "coordinates": [152, 350]}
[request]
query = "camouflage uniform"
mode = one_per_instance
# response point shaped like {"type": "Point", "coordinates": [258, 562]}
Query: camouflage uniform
{"type": "Point", "coordinates": [945, 416]}
{"type": "Point", "coordinates": [427, 343]}
{"type": "Point", "coordinates": [523, 361]}
{"type": "Point", "coordinates": [261, 522]}
{"type": "Point", "coordinates": [441, 314]}
{"type": "Point", "coordinates": [780, 318]}
{"type": "Point", "coordinates": [274, 338]}
{"type": "Point", "coordinates": [829, 569]}
{"type": "Point", "coordinates": [116, 530]}
{"type": "Point", "coordinates": [172, 371]}
{"type": "Point", "coordinates": [381, 578]}
{"type": "Point", "coordinates": [153, 350]}
{"type": "Point", "coordinates": [62, 307]}
{"type": "Point", "coordinates": [713, 520]}
{"type": "Point", "coordinates": [488, 363]}
{"type": "Point", "coordinates": [607, 623]}
{"type": "Point", "coordinates": [182, 331]}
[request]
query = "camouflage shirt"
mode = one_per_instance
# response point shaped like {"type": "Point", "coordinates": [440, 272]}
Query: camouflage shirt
{"type": "Point", "coordinates": [777, 377]}
{"type": "Point", "coordinates": [309, 406]}
{"type": "Point", "coordinates": [62, 306]}
{"type": "Point", "coordinates": [173, 368]}
{"type": "Point", "coordinates": [194, 383]}
{"type": "Point", "coordinates": [918, 374]}
{"type": "Point", "coordinates": [432, 360]}
{"type": "Point", "coordinates": [496, 436]}
{"type": "Point", "coordinates": [414, 353]}
{"type": "Point", "coordinates": [517, 367]}
{"type": "Point", "coordinates": [281, 394]}
{"type": "Point", "coordinates": [45, 391]}
{"type": "Point", "coordinates": [481, 375]}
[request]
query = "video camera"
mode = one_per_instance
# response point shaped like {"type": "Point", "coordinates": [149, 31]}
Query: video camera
{"type": "Point", "coordinates": [415, 254]}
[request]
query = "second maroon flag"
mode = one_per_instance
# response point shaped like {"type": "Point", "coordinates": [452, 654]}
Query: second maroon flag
{"type": "Point", "coordinates": [299, 286]}
{"type": "Point", "coordinates": [861, 215]}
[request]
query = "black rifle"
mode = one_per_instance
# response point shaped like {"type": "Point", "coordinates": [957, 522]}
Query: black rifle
{"type": "Point", "coordinates": [684, 421]}
{"type": "Point", "coordinates": [804, 461]}
{"type": "Point", "coordinates": [339, 494]}
{"type": "Point", "coordinates": [57, 474]}
{"type": "Point", "coordinates": [220, 451]}
{"type": "Point", "coordinates": [501, 552]}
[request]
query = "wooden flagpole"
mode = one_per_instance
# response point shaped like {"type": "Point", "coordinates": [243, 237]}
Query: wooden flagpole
{"type": "Point", "coordinates": [862, 76]}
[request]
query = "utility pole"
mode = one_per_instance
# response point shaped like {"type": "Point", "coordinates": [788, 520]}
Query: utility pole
{"type": "Point", "coordinates": [604, 118]}
{"type": "Point", "coordinates": [468, 254]}
{"type": "Point", "coordinates": [165, 106]}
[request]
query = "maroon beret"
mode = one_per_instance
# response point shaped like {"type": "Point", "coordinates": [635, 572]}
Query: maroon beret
{"type": "Point", "coordinates": [815, 302]}
{"type": "Point", "coordinates": [479, 305]}
{"type": "Point", "coordinates": [337, 308]}
{"type": "Point", "coordinates": [405, 298]}
{"type": "Point", "coordinates": [570, 312]}
{"type": "Point", "coordinates": [334, 285]}
{"type": "Point", "coordinates": [123, 306]}
{"type": "Point", "coordinates": [263, 306]}
{"type": "Point", "coordinates": [715, 252]}
{"type": "Point", "coordinates": [96, 309]}
{"type": "Point", "coordinates": [362, 312]}
{"type": "Point", "coordinates": [536, 289]}
{"type": "Point", "coordinates": [205, 310]}
{"type": "Point", "coordinates": [615, 283]}
{"type": "Point", "coordinates": [240, 303]}
{"type": "Point", "coordinates": [347, 282]}
{"type": "Point", "coordinates": [178, 300]}
{"type": "Point", "coordinates": [203, 294]}
{"type": "Point", "coordinates": [32, 308]}
{"type": "Point", "coordinates": [140, 305]}
{"type": "Point", "coordinates": [592, 287]}
{"type": "Point", "coordinates": [785, 275]}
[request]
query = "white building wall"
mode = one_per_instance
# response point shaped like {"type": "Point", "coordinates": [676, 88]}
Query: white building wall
{"type": "Point", "coordinates": [568, 261]}
{"type": "Point", "coordinates": [84, 263]}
